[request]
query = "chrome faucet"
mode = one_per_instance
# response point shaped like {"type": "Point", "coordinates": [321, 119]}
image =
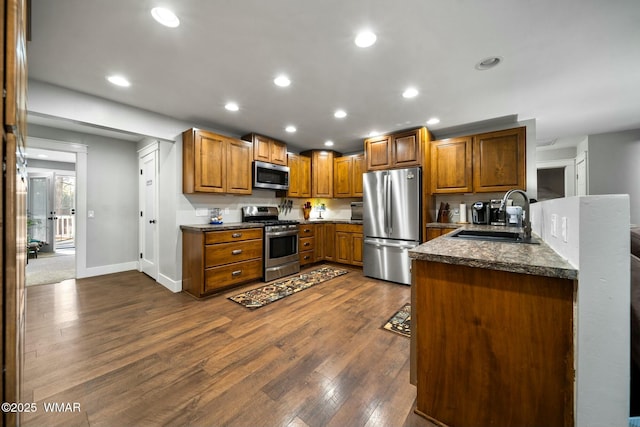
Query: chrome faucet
{"type": "Point", "coordinates": [526, 221]}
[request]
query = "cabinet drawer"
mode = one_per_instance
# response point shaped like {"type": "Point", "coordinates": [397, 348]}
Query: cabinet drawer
{"type": "Point", "coordinates": [307, 244]}
{"type": "Point", "coordinates": [220, 277]}
{"type": "Point", "coordinates": [226, 253]}
{"type": "Point", "coordinates": [212, 237]}
{"type": "Point", "coordinates": [307, 230]}
{"type": "Point", "coordinates": [349, 228]}
{"type": "Point", "coordinates": [307, 257]}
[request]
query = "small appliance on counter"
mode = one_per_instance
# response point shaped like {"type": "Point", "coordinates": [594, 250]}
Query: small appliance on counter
{"type": "Point", "coordinates": [496, 216]}
{"type": "Point", "coordinates": [480, 213]}
{"type": "Point", "coordinates": [356, 211]}
{"type": "Point", "coordinates": [514, 216]}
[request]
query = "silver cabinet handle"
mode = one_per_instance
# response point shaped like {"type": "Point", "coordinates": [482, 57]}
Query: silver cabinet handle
{"type": "Point", "coordinates": [236, 252]}
{"type": "Point", "coordinates": [307, 257]}
{"type": "Point", "coordinates": [236, 235]}
{"type": "Point", "coordinates": [236, 273]}
{"type": "Point", "coordinates": [307, 244]}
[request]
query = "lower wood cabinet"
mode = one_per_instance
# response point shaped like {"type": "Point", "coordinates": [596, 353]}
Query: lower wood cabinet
{"type": "Point", "coordinates": [433, 232]}
{"type": "Point", "coordinates": [349, 244]}
{"type": "Point", "coordinates": [307, 244]}
{"type": "Point", "coordinates": [216, 260]}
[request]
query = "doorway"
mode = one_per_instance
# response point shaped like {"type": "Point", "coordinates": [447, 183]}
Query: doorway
{"type": "Point", "coordinates": [51, 217]}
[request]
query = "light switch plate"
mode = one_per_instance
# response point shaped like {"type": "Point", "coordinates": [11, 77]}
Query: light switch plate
{"type": "Point", "coordinates": [202, 212]}
{"type": "Point", "coordinates": [564, 229]}
{"type": "Point", "coordinates": [554, 225]}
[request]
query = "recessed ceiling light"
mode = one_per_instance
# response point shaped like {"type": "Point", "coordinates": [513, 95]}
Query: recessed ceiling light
{"type": "Point", "coordinates": [340, 114]}
{"type": "Point", "coordinates": [488, 63]}
{"type": "Point", "coordinates": [365, 39]}
{"type": "Point", "coordinates": [328, 144]}
{"type": "Point", "coordinates": [232, 106]}
{"type": "Point", "coordinates": [119, 81]}
{"type": "Point", "coordinates": [43, 156]}
{"type": "Point", "coordinates": [374, 133]}
{"type": "Point", "coordinates": [282, 81]}
{"type": "Point", "coordinates": [290, 129]}
{"type": "Point", "coordinates": [410, 92]}
{"type": "Point", "coordinates": [433, 121]}
{"type": "Point", "coordinates": [165, 17]}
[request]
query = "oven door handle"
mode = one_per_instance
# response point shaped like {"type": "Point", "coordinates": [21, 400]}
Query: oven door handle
{"type": "Point", "coordinates": [281, 233]}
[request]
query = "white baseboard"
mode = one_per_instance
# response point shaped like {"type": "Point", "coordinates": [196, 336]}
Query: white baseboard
{"type": "Point", "coordinates": [173, 285]}
{"type": "Point", "coordinates": [107, 269]}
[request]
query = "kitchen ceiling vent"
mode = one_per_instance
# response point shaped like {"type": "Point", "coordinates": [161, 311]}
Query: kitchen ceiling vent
{"type": "Point", "coordinates": [488, 63]}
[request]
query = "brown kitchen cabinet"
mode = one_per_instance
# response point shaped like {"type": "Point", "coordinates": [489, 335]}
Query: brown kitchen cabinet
{"type": "Point", "coordinates": [321, 172]}
{"type": "Point", "coordinates": [307, 244]}
{"type": "Point", "coordinates": [217, 260]}
{"type": "Point", "coordinates": [267, 149]}
{"type": "Point", "coordinates": [349, 241]}
{"type": "Point", "coordinates": [434, 232]}
{"type": "Point", "coordinates": [347, 176]}
{"type": "Point", "coordinates": [499, 160]}
{"type": "Point", "coordinates": [452, 165]}
{"type": "Point", "coordinates": [399, 150]}
{"type": "Point", "coordinates": [213, 163]}
{"type": "Point", "coordinates": [299, 175]}
{"type": "Point", "coordinates": [482, 163]}
{"type": "Point", "coordinates": [329, 246]}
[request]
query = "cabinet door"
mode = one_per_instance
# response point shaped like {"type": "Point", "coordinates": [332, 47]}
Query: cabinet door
{"type": "Point", "coordinates": [239, 166]}
{"type": "Point", "coordinates": [343, 247]}
{"type": "Point", "coordinates": [278, 153]}
{"type": "Point", "coordinates": [378, 152]}
{"type": "Point", "coordinates": [499, 160]}
{"type": "Point", "coordinates": [322, 173]}
{"type": "Point", "coordinates": [210, 163]}
{"type": "Point", "coordinates": [320, 241]}
{"type": "Point", "coordinates": [451, 166]}
{"type": "Point", "coordinates": [329, 241]}
{"type": "Point", "coordinates": [433, 232]}
{"type": "Point", "coordinates": [357, 172]}
{"type": "Point", "coordinates": [342, 175]}
{"type": "Point", "coordinates": [293, 162]}
{"type": "Point", "coordinates": [261, 148]}
{"type": "Point", "coordinates": [357, 242]}
{"type": "Point", "coordinates": [406, 149]}
{"type": "Point", "coordinates": [304, 177]}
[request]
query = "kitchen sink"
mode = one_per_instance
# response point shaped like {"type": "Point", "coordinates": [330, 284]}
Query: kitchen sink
{"type": "Point", "coordinates": [493, 236]}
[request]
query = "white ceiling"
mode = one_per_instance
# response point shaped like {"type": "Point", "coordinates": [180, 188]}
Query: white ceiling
{"type": "Point", "coordinates": [573, 65]}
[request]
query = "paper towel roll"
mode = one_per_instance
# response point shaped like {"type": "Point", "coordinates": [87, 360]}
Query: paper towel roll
{"type": "Point", "coordinates": [463, 212]}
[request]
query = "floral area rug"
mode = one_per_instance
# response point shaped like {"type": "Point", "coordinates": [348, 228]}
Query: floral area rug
{"type": "Point", "coordinates": [400, 323]}
{"type": "Point", "coordinates": [259, 297]}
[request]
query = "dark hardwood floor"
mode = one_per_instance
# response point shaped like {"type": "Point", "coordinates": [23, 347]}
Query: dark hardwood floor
{"type": "Point", "coordinates": [130, 352]}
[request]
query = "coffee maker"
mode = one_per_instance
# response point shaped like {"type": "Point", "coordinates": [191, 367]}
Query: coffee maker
{"type": "Point", "coordinates": [480, 213]}
{"type": "Point", "coordinates": [496, 216]}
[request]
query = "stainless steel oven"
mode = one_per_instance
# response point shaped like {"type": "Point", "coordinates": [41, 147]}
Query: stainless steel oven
{"type": "Point", "coordinates": [280, 241]}
{"type": "Point", "coordinates": [280, 251]}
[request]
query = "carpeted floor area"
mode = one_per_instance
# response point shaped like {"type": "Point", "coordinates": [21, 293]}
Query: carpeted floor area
{"type": "Point", "coordinates": [51, 268]}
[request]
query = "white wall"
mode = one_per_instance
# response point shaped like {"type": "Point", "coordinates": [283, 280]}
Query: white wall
{"type": "Point", "coordinates": [614, 166]}
{"type": "Point", "coordinates": [111, 194]}
{"type": "Point", "coordinates": [598, 246]}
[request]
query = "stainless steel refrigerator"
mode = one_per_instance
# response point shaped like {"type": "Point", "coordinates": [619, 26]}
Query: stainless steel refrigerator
{"type": "Point", "coordinates": [392, 222]}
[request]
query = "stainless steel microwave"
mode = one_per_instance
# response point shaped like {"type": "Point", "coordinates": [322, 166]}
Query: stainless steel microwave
{"type": "Point", "coordinates": [270, 176]}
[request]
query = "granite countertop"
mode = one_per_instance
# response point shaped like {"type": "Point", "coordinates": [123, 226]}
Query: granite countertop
{"type": "Point", "coordinates": [330, 221]}
{"type": "Point", "coordinates": [535, 259]}
{"type": "Point", "coordinates": [446, 224]}
{"type": "Point", "coordinates": [220, 227]}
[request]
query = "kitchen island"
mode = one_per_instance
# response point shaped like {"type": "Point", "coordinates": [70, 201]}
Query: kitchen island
{"type": "Point", "coordinates": [494, 333]}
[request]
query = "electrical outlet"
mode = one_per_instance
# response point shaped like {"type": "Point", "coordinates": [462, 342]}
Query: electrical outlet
{"type": "Point", "coordinates": [564, 229]}
{"type": "Point", "coordinates": [554, 225]}
{"type": "Point", "coordinates": [226, 211]}
{"type": "Point", "coordinates": [202, 212]}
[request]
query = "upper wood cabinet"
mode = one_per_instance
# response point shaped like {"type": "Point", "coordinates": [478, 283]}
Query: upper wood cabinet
{"type": "Point", "coordinates": [499, 160]}
{"type": "Point", "coordinates": [482, 163]}
{"type": "Point", "coordinates": [267, 149]}
{"type": "Point", "coordinates": [321, 172]}
{"type": "Point", "coordinates": [299, 175]}
{"type": "Point", "coordinates": [451, 165]}
{"type": "Point", "coordinates": [399, 150]}
{"type": "Point", "coordinates": [213, 163]}
{"type": "Point", "coordinates": [347, 176]}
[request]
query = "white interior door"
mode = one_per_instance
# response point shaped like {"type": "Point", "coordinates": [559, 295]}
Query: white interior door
{"type": "Point", "coordinates": [149, 212]}
{"type": "Point", "coordinates": [40, 211]}
{"type": "Point", "coordinates": [582, 188]}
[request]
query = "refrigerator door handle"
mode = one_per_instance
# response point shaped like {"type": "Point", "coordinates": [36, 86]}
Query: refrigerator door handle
{"type": "Point", "coordinates": [379, 244]}
{"type": "Point", "coordinates": [385, 202]}
{"type": "Point", "coordinates": [389, 203]}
